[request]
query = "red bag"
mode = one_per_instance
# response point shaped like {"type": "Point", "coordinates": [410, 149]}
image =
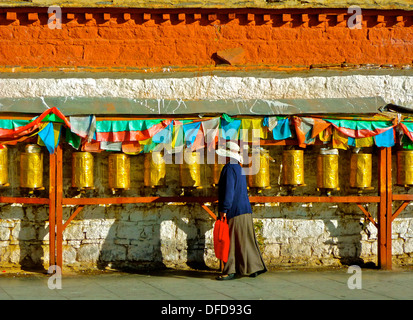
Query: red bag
{"type": "Point", "coordinates": [221, 239]}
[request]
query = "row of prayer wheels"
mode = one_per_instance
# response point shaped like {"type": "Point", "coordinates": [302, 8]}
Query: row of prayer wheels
{"type": "Point", "coordinates": [327, 168]}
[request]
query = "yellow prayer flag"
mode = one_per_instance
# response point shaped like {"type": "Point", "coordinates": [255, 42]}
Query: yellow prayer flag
{"type": "Point", "coordinates": [339, 140]}
{"type": "Point", "coordinates": [247, 125]}
{"type": "Point", "coordinates": [364, 142]}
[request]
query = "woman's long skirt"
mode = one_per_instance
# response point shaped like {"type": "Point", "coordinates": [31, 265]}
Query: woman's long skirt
{"type": "Point", "coordinates": [244, 254]}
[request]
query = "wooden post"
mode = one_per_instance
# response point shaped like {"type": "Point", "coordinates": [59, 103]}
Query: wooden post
{"type": "Point", "coordinates": [52, 210]}
{"type": "Point", "coordinates": [59, 209]}
{"type": "Point", "coordinates": [389, 210]}
{"type": "Point", "coordinates": [385, 210]}
{"type": "Point", "coordinates": [381, 240]}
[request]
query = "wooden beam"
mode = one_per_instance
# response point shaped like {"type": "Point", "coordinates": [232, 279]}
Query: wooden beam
{"type": "Point", "coordinates": [73, 215]}
{"type": "Point", "coordinates": [59, 208]}
{"type": "Point", "coordinates": [400, 209]}
{"type": "Point", "coordinates": [389, 210]}
{"type": "Point", "coordinates": [24, 200]}
{"type": "Point", "coordinates": [11, 16]}
{"type": "Point", "coordinates": [209, 212]}
{"type": "Point", "coordinates": [32, 16]}
{"type": "Point", "coordinates": [212, 17]}
{"type": "Point", "coordinates": [253, 199]}
{"type": "Point", "coordinates": [367, 214]}
{"type": "Point", "coordinates": [52, 210]}
{"type": "Point", "coordinates": [381, 239]}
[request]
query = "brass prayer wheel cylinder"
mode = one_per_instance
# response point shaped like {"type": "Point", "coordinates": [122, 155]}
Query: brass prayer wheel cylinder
{"type": "Point", "coordinates": [82, 170]}
{"type": "Point", "coordinates": [154, 170]}
{"type": "Point", "coordinates": [4, 166]}
{"type": "Point", "coordinates": [405, 168]}
{"type": "Point", "coordinates": [31, 167]}
{"type": "Point", "coordinates": [293, 167]}
{"type": "Point", "coordinates": [259, 176]}
{"type": "Point", "coordinates": [327, 170]}
{"type": "Point", "coordinates": [216, 169]}
{"type": "Point", "coordinates": [360, 170]}
{"type": "Point", "coordinates": [216, 173]}
{"type": "Point", "coordinates": [119, 171]}
{"type": "Point", "coordinates": [190, 170]}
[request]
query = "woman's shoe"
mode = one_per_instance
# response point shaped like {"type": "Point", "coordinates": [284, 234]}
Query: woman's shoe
{"type": "Point", "coordinates": [255, 274]}
{"type": "Point", "coordinates": [226, 277]}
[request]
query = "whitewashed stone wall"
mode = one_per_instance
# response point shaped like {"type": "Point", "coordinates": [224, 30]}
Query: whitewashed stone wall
{"type": "Point", "coordinates": [153, 235]}
{"type": "Point", "coordinates": [394, 86]}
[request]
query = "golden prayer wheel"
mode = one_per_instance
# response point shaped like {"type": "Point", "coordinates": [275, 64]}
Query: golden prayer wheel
{"type": "Point", "coordinates": [31, 167]}
{"type": "Point", "coordinates": [154, 170]}
{"type": "Point", "coordinates": [82, 170]}
{"type": "Point", "coordinates": [119, 171]}
{"type": "Point", "coordinates": [216, 170]}
{"type": "Point", "coordinates": [216, 173]}
{"type": "Point", "coordinates": [190, 170]}
{"type": "Point", "coordinates": [405, 168]}
{"type": "Point", "coordinates": [4, 167]}
{"type": "Point", "coordinates": [360, 170]}
{"type": "Point", "coordinates": [293, 167]}
{"type": "Point", "coordinates": [327, 169]}
{"type": "Point", "coordinates": [259, 176]}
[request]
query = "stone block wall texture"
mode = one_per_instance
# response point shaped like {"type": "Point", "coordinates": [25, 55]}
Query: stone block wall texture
{"type": "Point", "coordinates": [180, 235]}
{"type": "Point", "coordinates": [159, 41]}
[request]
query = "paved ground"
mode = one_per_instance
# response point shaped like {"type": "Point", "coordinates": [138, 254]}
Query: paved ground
{"type": "Point", "coordinates": [201, 285]}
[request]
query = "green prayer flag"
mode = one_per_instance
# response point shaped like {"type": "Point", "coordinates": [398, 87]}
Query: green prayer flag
{"type": "Point", "coordinates": [72, 139]}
